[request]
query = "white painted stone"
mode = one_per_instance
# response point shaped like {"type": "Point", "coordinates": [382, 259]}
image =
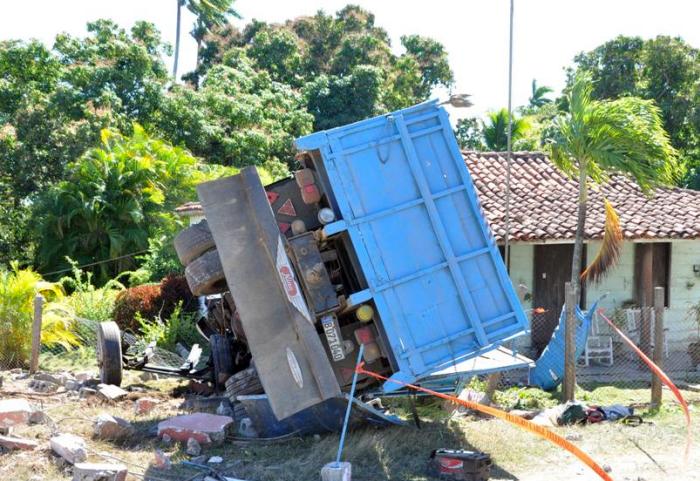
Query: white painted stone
{"type": "Point", "coordinates": [14, 412]}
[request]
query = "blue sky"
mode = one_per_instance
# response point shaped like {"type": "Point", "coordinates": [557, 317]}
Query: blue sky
{"type": "Point", "coordinates": [548, 33]}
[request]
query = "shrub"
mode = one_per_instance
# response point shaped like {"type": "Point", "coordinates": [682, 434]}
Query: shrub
{"type": "Point", "coordinates": [143, 300]}
{"type": "Point", "coordinates": [153, 301]}
{"type": "Point", "coordinates": [18, 287]}
{"type": "Point", "coordinates": [178, 327]}
{"type": "Point", "coordinates": [174, 290]}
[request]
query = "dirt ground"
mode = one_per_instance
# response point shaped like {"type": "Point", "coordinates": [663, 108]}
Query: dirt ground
{"type": "Point", "coordinates": [652, 451]}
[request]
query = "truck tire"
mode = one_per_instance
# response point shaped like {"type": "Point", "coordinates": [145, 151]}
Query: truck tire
{"type": "Point", "coordinates": [205, 275]}
{"type": "Point", "coordinates": [222, 358]}
{"type": "Point", "coordinates": [242, 383]}
{"type": "Point", "coordinates": [109, 353]}
{"type": "Point", "coordinates": [193, 241]}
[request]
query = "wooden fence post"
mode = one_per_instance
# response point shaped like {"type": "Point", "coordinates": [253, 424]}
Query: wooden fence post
{"type": "Point", "coordinates": [656, 392]}
{"type": "Point", "coordinates": [569, 386]}
{"type": "Point", "coordinates": [36, 333]}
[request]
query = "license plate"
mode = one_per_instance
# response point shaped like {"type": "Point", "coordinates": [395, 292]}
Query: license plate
{"type": "Point", "coordinates": [335, 342]}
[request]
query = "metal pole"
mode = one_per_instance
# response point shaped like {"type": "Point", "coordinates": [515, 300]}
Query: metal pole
{"type": "Point", "coordinates": [656, 393]}
{"type": "Point", "coordinates": [36, 333]}
{"type": "Point", "coordinates": [570, 344]}
{"type": "Point", "coordinates": [509, 154]}
{"type": "Point", "coordinates": [347, 411]}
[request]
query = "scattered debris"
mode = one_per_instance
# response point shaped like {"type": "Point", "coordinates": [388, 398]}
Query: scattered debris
{"type": "Point", "coordinates": [37, 417]}
{"type": "Point", "coordinates": [215, 460]}
{"type": "Point", "coordinates": [336, 472]}
{"type": "Point", "coordinates": [145, 405]}
{"type": "Point", "coordinates": [111, 392]}
{"type": "Point", "coordinates": [148, 376]}
{"type": "Point", "coordinates": [14, 412]}
{"type": "Point", "coordinates": [70, 447]}
{"type": "Point", "coordinates": [11, 442]}
{"type": "Point", "coordinates": [99, 472]}
{"type": "Point", "coordinates": [574, 437]}
{"type": "Point", "coordinates": [112, 427]}
{"type": "Point", "coordinates": [193, 447]}
{"type": "Point", "coordinates": [205, 428]}
{"type": "Point", "coordinates": [87, 392]}
{"type": "Point", "coordinates": [73, 385]}
{"type": "Point", "coordinates": [84, 376]}
{"type": "Point", "coordinates": [460, 464]}
{"type": "Point", "coordinates": [43, 386]}
{"type": "Point", "coordinates": [203, 404]}
{"type": "Point", "coordinates": [162, 460]}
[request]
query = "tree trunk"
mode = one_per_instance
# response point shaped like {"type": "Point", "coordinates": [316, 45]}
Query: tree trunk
{"type": "Point", "coordinates": [580, 228]}
{"type": "Point", "coordinates": [177, 39]}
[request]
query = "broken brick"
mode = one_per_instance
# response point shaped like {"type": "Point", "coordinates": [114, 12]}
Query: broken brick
{"type": "Point", "coordinates": [205, 428]}
{"type": "Point", "coordinates": [99, 472]}
{"type": "Point", "coordinates": [145, 405]}
{"type": "Point", "coordinates": [11, 442]}
{"type": "Point", "coordinates": [14, 412]}
{"type": "Point", "coordinates": [112, 427]}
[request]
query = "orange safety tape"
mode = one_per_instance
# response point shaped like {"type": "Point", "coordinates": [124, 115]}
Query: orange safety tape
{"type": "Point", "coordinates": [661, 375]}
{"type": "Point", "coordinates": [542, 431]}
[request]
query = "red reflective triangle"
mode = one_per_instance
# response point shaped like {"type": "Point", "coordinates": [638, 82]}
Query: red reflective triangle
{"type": "Point", "coordinates": [272, 197]}
{"type": "Point", "coordinates": [287, 209]}
{"type": "Point", "coordinates": [284, 227]}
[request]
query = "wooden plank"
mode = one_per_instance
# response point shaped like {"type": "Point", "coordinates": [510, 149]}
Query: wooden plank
{"type": "Point", "coordinates": [36, 333]}
{"type": "Point", "coordinates": [656, 385]}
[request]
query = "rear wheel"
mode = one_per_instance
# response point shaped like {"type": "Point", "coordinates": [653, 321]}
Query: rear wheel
{"type": "Point", "coordinates": [222, 358]}
{"type": "Point", "coordinates": [242, 383]}
{"type": "Point", "coordinates": [109, 353]}
{"type": "Point", "coordinates": [205, 275]}
{"type": "Point", "coordinates": [193, 241]}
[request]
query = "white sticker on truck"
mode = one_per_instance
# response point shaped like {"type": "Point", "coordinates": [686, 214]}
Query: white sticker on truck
{"type": "Point", "coordinates": [289, 282]}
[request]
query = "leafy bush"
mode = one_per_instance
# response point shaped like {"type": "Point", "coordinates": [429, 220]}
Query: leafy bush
{"type": "Point", "coordinates": [142, 300]}
{"type": "Point", "coordinates": [153, 301]}
{"type": "Point", "coordinates": [174, 290]}
{"type": "Point", "coordinates": [178, 327]}
{"type": "Point", "coordinates": [88, 301]}
{"type": "Point", "coordinates": [18, 287]}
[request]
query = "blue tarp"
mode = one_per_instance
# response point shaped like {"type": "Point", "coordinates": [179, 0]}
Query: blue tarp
{"type": "Point", "coordinates": [549, 368]}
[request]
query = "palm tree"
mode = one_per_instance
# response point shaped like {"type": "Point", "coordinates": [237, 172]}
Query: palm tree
{"type": "Point", "coordinates": [537, 98]}
{"type": "Point", "coordinates": [209, 13]}
{"type": "Point", "coordinates": [597, 138]}
{"type": "Point", "coordinates": [496, 130]}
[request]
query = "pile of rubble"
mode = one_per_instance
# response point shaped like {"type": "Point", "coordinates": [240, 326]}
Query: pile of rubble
{"type": "Point", "coordinates": [194, 431]}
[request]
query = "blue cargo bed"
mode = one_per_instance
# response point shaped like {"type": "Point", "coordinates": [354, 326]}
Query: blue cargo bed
{"type": "Point", "coordinates": [405, 198]}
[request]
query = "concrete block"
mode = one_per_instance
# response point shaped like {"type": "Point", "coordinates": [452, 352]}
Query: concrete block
{"type": "Point", "coordinates": [99, 472]}
{"type": "Point", "coordinates": [336, 472]}
{"type": "Point", "coordinates": [70, 447]}
{"type": "Point", "coordinates": [111, 392]}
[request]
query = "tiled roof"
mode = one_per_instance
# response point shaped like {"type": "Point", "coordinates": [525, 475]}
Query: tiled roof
{"type": "Point", "coordinates": [543, 202]}
{"type": "Point", "coordinates": [189, 209]}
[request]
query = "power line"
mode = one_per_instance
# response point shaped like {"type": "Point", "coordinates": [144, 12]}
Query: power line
{"type": "Point", "coordinates": [96, 263]}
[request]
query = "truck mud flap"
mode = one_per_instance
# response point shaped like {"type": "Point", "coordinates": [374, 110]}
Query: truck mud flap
{"type": "Point", "coordinates": [287, 351]}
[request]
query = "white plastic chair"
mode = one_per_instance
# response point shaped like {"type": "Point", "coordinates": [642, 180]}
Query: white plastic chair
{"type": "Point", "coordinates": [633, 330]}
{"type": "Point", "coordinates": [599, 346]}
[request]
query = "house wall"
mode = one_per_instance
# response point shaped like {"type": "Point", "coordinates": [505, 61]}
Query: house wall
{"type": "Point", "coordinates": [618, 286]}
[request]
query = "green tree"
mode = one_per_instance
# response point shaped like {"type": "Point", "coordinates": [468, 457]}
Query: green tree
{"type": "Point", "coordinates": [332, 59]}
{"type": "Point", "coordinates": [664, 69]}
{"type": "Point", "coordinates": [538, 95]}
{"type": "Point", "coordinates": [238, 117]}
{"type": "Point", "coordinates": [600, 137]}
{"type": "Point", "coordinates": [469, 133]}
{"type": "Point", "coordinates": [495, 130]}
{"type": "Point", "coordinates": [114, 197]}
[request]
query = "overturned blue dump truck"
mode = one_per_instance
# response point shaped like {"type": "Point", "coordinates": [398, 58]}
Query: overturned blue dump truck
{"type": "Point", "coordinates": [378, 239]}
